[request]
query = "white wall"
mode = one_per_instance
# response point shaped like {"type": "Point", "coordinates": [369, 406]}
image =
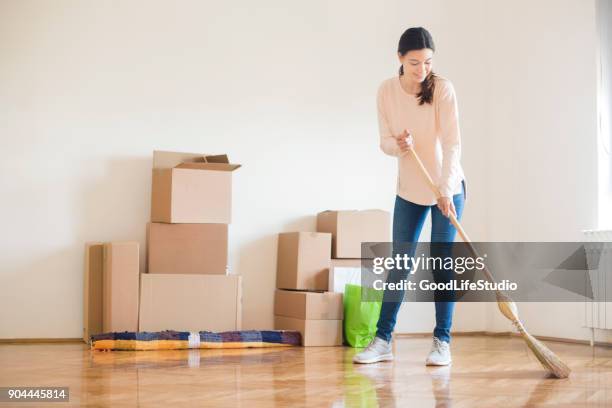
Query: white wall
{"type": "Point", "coordinates": [89, 89]}
{"type": "Point", "coordinates": [604, 31]}
{"type": "Point", "coordinates": [542, 137]}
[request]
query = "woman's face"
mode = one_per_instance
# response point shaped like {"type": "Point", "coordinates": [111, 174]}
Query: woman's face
{"type": "Point", "coordinates": [417, 63]}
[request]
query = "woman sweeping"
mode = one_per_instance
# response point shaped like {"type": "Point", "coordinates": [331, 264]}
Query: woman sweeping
{"type": "Point", "coordinates": [418, 110]}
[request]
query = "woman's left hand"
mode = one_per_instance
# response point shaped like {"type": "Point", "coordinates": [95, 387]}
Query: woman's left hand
{"type": "Point", "coordinates": [446, 206]}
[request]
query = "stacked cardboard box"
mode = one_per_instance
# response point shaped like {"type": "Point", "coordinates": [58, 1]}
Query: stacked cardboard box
{"type": "Point", "coordinates": [187, 286]}
{"type": "Point", "coordinates": [349, 230]}
{"type": "Point", "coordinates": [314, 267]}
{"type": "Point", "coordinates": [301, 302]}
{"type": "Point", "coordinates": [303, 260]}
{"type": "Point", "coordinates": [190, 302]}
{"type": "Point", "coordinates": [316, 315]}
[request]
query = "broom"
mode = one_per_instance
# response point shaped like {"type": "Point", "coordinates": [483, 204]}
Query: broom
{"type": "Point", "coordinates": [547, 358]}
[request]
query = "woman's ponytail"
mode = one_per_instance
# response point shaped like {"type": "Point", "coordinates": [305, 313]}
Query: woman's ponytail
{"type": "Point", "coordinates": [427, 89]}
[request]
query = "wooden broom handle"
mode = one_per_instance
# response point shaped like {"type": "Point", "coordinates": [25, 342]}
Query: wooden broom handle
{"type": "Point", "coordinates": [452, 217]}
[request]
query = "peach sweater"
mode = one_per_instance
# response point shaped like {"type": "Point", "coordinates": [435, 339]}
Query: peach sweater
{"type": "Point", "coordinates": [437, 140]}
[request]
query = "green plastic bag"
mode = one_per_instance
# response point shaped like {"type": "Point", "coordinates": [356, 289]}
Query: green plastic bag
{"type": "Point", "coordinates": [360, 317]}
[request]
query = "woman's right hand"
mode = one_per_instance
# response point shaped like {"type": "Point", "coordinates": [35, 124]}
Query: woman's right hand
{"type": "Point", "coordinates": [404, 141]}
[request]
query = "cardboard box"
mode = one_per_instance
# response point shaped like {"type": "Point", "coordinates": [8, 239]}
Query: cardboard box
{"type": "Point", "coordinates": [308, 305]}
{"type": "Point", "coordinates": [303, 260]}
{"type": "Point", "coordinates": [187, 248]}
{"type": "Point", "coordinates": [343, 272]}
{"type": "Point", "coordinates": [191, 188]}
{"type": "Point", "coordinates": [92, 289]}
{"type": "Point", "coordinates": [350, 228]}
{"type": "Point", "coordinates": [120, 287]}
{"type": "Point", "coordinates": [190, 302]}
{"type": "Point", "coordinates": [314, 332]}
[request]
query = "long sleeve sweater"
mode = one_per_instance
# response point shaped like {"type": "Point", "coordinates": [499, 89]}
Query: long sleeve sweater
{"type": "Point", "coordinates": [435, 131]}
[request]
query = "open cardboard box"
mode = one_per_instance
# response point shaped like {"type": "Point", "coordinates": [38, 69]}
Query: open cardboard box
{"type": "Point", "coordinates": [191, 188]}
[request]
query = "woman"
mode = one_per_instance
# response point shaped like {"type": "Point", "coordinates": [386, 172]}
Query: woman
{"type": "Point", "coordinates": [417, 110]}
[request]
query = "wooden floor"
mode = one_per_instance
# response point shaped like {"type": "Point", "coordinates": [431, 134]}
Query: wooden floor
{"type": "Point", "coordinates": [486, 372]}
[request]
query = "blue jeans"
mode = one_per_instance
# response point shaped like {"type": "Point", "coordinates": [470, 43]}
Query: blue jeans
{"type": "Point", "coordinates": [408, 220]}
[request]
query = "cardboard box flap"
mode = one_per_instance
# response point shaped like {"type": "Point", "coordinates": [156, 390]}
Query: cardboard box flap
{"type": "Point", "coordinates": [208, 166]}
{"type": "Point", "coordinates": [216, 158]}
{"type": "Point", "coordinates": [202, 161]}
{"type": "Point", "coordinates": [168, 160]}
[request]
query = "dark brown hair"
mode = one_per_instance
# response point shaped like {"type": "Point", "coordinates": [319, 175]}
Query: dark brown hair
{"type": "Point", "coordinates": [418, 38]}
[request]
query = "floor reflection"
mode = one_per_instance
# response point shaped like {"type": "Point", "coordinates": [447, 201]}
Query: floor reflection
{"type": "Point", "coordinates": [382, 384]}
{"type": "Point", "coordinates": [183, 358]}
{"type": "Point", "coordinates": [440, 385]}
{"type": "Point", "coordinates": [486, 372]}
{"type": "Point", "coordinates": [363, 390]}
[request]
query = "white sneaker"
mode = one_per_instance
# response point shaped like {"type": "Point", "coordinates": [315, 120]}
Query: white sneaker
{"type": "Point", "coordinates": [440, 354]}
{"type": "Point", "coordinates": [377, 350]}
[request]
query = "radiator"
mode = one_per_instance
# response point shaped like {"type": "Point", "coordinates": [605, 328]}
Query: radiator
{"type": "Point", "coordinates": [598, 312]}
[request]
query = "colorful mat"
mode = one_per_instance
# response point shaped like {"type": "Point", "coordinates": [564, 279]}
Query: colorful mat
{"type": "Point", "coordinates": [174, 340]}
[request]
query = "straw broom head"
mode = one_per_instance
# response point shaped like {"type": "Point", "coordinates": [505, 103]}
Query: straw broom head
{"type": "Point", "coordinates": [545, 356]}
